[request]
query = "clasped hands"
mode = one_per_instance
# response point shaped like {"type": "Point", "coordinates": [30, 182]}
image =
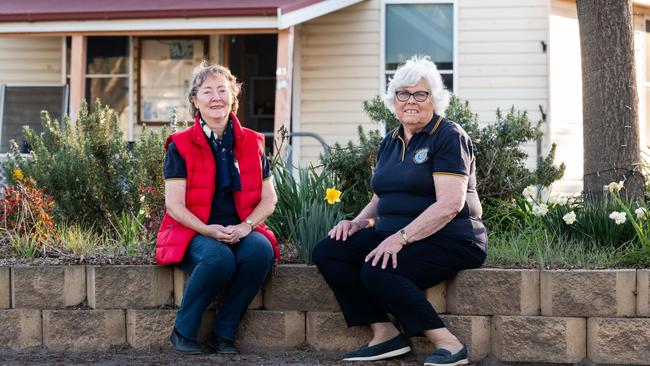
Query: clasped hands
{"type": "Point", "coordinates": [385, 251]}
{"type": "Point", "coordinates": [230, 234]}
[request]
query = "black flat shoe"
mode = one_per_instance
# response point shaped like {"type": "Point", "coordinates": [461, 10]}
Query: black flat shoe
{"type": "Point", "coordinates": [221, 345]}
{"type": "Point", "coordinates": [184, 345]}
{"type": "Point", "coordinates": [391, 348]}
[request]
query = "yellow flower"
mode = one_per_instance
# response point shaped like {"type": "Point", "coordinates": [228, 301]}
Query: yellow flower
{"type": "Point", "coordinates": [332, 195]}
{"type": "Point", "coordinates": [18, 174]}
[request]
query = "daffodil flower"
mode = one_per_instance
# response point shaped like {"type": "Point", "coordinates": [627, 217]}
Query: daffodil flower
{"type": "Point", "coordinates": [332, 195]}
{"type": "Point", "coordinates": [18, 174]}
{"type": "Point", "coordinates": [618, 217]}
{"type": "Point", "coordinates": [569, 218]}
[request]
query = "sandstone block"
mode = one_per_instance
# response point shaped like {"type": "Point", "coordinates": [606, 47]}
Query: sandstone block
{"type": "Point", "coordinates": [180, 280]}
{"type": "Point", "coordinates": [490, 291]}
{"type": "Point", "coordinates": [539, 339]}
{"type": "Point", "coordinates": [147, 329]}
{"type": "Point", "coordinates": [437, 296]}
{"type": "Point", "coordinates": [83, 330]}
{"type": "Point", "coordinates": [643, 292]}
{"type": "Point", "coordinates": [298, 287]}
{"type": "Point", "coordinates": [129, 287]}
{"type": "Point", "coordinates": [21, 329]}
{"type": "Point", "coordinates": [618, 341]}
{"type": "Point", "coordinates": [328, 331]}
{"type": "Point", "coordinates": [48, 287]}
{"type": "Point", "coordinates": [272, 329]}
{"type": "Point", "coordinates": [472, 331]}
{"type": "Point", "coordinates": [588, 293]}
{"type": "Point", "coordinates": [5, 288]}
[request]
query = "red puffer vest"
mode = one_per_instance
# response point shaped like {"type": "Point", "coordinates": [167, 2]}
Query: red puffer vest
{"type": "Point", "coordinates": [174, 238]}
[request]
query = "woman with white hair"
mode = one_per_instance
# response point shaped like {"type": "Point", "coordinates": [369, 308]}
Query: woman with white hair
{"type": "Point", "coordinates": [422, 225]}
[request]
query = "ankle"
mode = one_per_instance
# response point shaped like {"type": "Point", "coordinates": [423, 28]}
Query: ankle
{"type": "Point", "coordinates": [383, 335]}
{"type": "Point", "coordinates": [451, 345]}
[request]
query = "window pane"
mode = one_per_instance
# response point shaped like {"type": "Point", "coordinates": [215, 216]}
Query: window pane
{"type": "Point", "coordinates": [166, 68]}
{"type": "Point", "coordinates": [22, 105]}
{"type": "Point", "coordinates": [107, 55]}
{"type": "Point", "coordinates": [112, 92]}
{"type": "Point", "coordinates": [419, 29]}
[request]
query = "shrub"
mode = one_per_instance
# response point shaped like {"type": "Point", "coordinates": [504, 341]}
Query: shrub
{"type": "Point", "coordinates": [352, 166]}
{"type": "Point", "coordinates": [500, 159]}
{"type": "Point", "coordinates": [26, 222]}
{"type": "Point", "coordinates": [93, 173]}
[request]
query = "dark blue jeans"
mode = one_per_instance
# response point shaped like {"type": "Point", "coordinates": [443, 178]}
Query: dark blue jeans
{"type": "Point", "coordinates": [237, 270]}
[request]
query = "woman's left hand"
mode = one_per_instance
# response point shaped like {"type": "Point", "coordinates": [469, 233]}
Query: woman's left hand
{"type": "Point", "coordinates": [386, 250]}
{"type": "Point", "coordinates": [240, 231]}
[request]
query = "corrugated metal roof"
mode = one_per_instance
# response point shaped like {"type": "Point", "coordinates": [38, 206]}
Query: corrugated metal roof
{"type": "Point", "coordinates": [58, 10]}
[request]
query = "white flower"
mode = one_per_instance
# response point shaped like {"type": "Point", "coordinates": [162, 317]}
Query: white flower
{"type": "Point", "coordinates": [529, 191]}
{"type": "Point", "coordinates": [569, 218]}
{"type": "Point", "coordinates": [641, 213]}
{"type": "Point", "coordinates": [560, 200]}
{"type": "Point", "coordinates": [618, 217]}
{"type": "Point", "coordinates": [540, 210]}
{"type": "Point", "coordinates": [613, 187]}
{"type": "Point", "coordinates": [142, 198]}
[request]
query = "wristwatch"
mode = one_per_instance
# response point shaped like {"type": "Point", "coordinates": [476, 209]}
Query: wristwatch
{"type": "Point", "coordinates": [250, 222]}
{"type": "Point", "coordinates": [405, 237]}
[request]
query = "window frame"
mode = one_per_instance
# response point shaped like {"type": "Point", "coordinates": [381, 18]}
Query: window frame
{"type": "Point", "coordinates": [138, 85]}
{"type": "Point", "coordinates": [382, 39]}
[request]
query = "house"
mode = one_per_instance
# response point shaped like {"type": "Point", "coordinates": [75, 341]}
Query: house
{"type": "Point", "coordinates": [306, 64]}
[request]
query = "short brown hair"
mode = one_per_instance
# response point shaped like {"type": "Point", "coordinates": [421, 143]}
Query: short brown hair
{"type": "Point", "coordinates": [201, 72]}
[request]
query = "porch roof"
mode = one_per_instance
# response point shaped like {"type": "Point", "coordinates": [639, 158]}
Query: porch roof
{"type": "Point", "coordinates": [44, 16]}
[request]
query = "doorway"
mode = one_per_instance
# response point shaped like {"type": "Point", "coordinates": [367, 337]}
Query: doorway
{"type": "Point", "coordinates": [253, 58]}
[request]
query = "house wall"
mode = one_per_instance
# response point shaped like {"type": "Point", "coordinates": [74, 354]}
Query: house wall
{"type": "Point", "coordinates": [337, 68]}
{"type": "Point", "coordinates": [30, 60]}
{"type": "Point", "coordinates": [500, 64]}
{"type": "Point", "coordinates": [501, 59]}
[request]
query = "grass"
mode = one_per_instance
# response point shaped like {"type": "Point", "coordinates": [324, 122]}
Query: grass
{"type": "Point", "coordinates": [535, 247]}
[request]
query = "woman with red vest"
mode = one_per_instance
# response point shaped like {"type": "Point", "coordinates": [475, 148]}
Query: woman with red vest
{"type": "Point", "coordinates": [218, 191]}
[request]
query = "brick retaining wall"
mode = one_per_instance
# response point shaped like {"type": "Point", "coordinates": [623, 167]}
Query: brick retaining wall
{"type": "Point", "coordinates": [517, 315]}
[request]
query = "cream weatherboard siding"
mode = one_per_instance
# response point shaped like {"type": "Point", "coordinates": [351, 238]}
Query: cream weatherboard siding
{"type": "Point", "coordinates": [30, 60]}
{"type": "Point", "coordinates": [501, 61]}
{"type": "Point", "coordinates": [337, 68]}
{"type": "Point", "coordinates": [500, 64]}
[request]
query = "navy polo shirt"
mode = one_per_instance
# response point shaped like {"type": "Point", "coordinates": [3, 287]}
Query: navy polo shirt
{"type": "Point", "coordinates": [404, 184]}
{"type": "Point", "coordinates": [223, 210]}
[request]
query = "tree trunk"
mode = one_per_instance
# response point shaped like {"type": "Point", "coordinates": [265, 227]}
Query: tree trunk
{"type": "Point", "coordinates": [609, 97]}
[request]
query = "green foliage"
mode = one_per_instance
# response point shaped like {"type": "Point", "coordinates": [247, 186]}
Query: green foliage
{"type": "Point", "coordinates": [91, 171]}
{"type": "Point", "coordinates": [352, 166]}
{"type": "Point", "coordinates": [302, 216]}
{"type": "Point", "coordinates": [500, 159]}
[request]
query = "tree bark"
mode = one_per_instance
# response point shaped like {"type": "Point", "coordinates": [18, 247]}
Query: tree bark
{"type": "Point", "coordinates": [609, 96]}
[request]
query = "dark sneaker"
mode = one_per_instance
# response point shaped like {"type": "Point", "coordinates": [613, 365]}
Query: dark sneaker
{"type": "Point", "coordinates": [183, 345]}
{"type": "Point", "coordinates": [391, 348]}
{"type": "Point", "coordinates": [442, 357]}
{"type": "Point", "coordinates": [221, 345]}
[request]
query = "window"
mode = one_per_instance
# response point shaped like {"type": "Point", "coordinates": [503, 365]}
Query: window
{"type": "Point", "coordinates": [21, 105]}
{"type": "Point", "coordinates": [165, 66]}
{"type": "Point", "coordinates": [419, 28]}
{"type": "Point", "coordinates": [107, 73]}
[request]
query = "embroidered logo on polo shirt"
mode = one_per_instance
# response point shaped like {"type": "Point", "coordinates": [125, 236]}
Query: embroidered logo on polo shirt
{"type": "Point", "coordinates": [421, 156]}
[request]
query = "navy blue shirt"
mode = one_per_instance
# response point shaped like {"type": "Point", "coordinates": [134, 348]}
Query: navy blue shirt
{"type": "Point", "coordinates": [223, 210]}
{"type": "Point", "coordinates": [404, 184]}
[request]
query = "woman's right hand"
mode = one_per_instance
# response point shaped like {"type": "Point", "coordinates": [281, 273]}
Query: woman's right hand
{"type": "Point", "coordinates": [221, 233]}
{"type": "Point", "coordinates": [344, 228]}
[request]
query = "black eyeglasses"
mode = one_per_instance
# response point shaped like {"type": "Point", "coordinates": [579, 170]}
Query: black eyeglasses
{"type": "Point", "coordinates": [419, 96]}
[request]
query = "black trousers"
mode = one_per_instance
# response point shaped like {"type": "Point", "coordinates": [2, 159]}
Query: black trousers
{"type": "Point", "coordinates": [366, 293]}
